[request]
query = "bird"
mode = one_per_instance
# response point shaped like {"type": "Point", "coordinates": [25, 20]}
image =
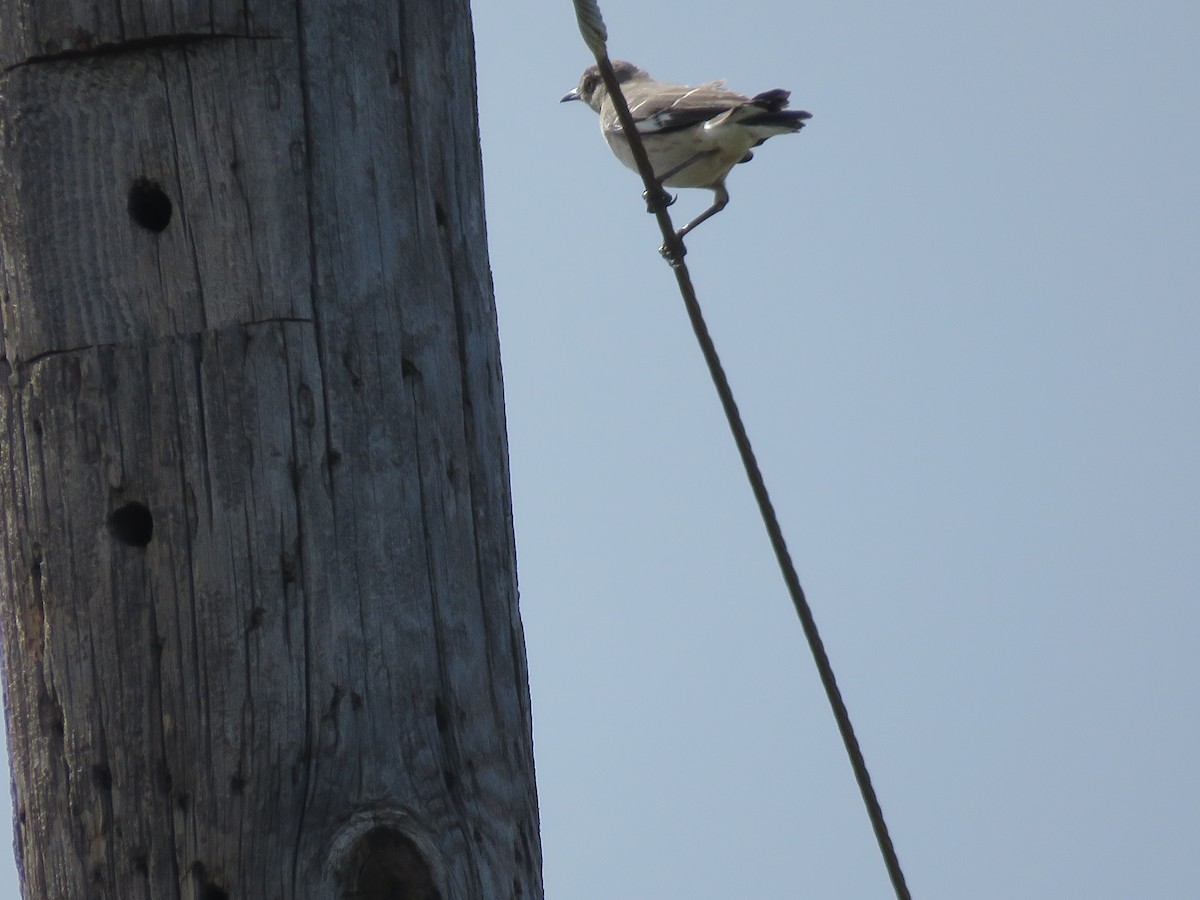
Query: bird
{"type": "Point", "coordinates": [693, 136]}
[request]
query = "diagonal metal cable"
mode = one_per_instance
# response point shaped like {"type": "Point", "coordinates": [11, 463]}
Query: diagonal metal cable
{"type": "Point", "coordinates": [591, 26]}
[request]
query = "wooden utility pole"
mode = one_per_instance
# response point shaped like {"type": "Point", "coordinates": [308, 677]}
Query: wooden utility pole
{"type": "Point", "coordinates": [259, 601]}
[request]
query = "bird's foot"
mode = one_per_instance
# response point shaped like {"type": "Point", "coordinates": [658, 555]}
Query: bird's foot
{"type": "Point", "coordinates": [655, 202]}
{"type": "Point", "coordinates": [673, 250]}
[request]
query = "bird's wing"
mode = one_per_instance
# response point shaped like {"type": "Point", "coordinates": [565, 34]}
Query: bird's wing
{"type": "Point", "coordinates": [660, 108]}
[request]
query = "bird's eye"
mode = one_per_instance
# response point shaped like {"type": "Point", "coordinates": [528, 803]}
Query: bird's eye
{"type": "Point", "coordinates": [590, 84]}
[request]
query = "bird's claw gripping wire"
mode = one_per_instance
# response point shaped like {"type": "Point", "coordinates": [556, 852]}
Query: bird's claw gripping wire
{"type": "Point", "coordinates": [655, 202]}
{"type": "Point", "coordinates": [673, 251]}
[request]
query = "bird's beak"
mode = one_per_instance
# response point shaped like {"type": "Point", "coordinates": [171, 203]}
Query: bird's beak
{"type": "Point", "coordinates": [570, 95]}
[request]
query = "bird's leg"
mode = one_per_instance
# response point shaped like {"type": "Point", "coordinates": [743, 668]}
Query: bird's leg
{"type": "Point", "coordinates": [664, 199]}
{"type": "Point", "coordinates": [720, 201]}
{"type": "Point", "coordinates": [674, 250]}
{"type": "Point", "coordinates": [671, 173]}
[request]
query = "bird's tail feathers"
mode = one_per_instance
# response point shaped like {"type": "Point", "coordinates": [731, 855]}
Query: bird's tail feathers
{"type": "Point", "coordinates": [769, 109]}
{"type": "Point", "coordinates": [788, 119]}
{"type": "Point", "coordinates": [772, 100]}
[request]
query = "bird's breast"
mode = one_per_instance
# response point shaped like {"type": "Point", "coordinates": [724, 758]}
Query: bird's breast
{"type": "Point", "coordinates": [712, 153]}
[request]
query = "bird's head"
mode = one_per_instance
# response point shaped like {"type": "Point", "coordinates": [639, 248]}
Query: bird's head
{"type": "Point", "coordinates": [591, 88]}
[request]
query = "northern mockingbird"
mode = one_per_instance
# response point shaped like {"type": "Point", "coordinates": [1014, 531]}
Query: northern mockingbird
{"type": "Point", "coordinates": [692, 135]}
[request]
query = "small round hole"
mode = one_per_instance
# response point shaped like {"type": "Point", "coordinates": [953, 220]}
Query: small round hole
{"type": "Point", "coordinates": [132, 524]}
{"type": "Point", "coordinates": [149, 206]}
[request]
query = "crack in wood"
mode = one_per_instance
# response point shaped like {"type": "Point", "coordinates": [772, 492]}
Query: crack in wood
{"type": "Point", "coordinates": [16, 365]}
{"type": "Point", "coordinates": [136, 45]}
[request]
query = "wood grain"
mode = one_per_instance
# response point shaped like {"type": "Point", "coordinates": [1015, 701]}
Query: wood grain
{"type": "Point", "coordinates": [317, 653]}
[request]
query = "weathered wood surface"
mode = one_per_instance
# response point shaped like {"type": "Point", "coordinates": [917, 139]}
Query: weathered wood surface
{"type": "Point", "coordinates": [309, 679]}
{"type": "Point", "coordinates": [32, 29]}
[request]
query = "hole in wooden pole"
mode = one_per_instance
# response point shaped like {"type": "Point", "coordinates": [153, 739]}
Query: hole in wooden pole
{"type": "Point", "coordinates": [384, 864]}
{"type": "Point", "coordinates": [132, 524]}
{"type": "Point", "coordinates": [205, 886]}
{"type": "Point", "coordinates": [149, 206]}
{"type": "Point", "coordinates": [102, 777]}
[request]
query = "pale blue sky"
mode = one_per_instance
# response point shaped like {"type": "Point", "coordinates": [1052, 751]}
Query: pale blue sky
{"type": "Point", "coordinates": [960, 314]}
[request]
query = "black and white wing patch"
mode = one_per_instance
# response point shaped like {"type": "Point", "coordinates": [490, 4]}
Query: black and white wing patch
{"type": "Point", "coordinates": [674, 107]}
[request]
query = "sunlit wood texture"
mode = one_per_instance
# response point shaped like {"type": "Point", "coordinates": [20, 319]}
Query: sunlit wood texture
{"type": "Point", "coordinates": [260, 620]}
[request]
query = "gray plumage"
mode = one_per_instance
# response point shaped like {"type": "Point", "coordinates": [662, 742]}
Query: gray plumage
{"type": "Point", "coordinates": [693, 135]}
